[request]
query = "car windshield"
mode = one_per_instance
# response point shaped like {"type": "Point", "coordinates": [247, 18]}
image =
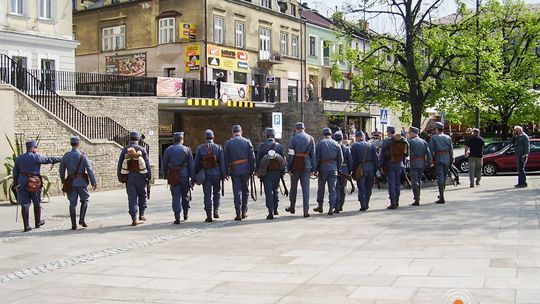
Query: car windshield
{"type": "Point", "coordinates": [494, 147]}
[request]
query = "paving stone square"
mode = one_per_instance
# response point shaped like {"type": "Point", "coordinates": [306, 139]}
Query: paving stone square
{"type": "Point", "coordinates": [482, 246]}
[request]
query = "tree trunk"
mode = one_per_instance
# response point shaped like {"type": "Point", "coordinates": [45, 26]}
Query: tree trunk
{"type": "Point", "coordinates": [416, 112]}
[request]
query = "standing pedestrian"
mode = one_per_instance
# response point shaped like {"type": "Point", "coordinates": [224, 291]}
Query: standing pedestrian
{"type": "Point", "coordinates": [393, 152]}
{"type": "Point", "coordinates": [345, 168]}
{"type": "Point", "coordinates": [210, 158]}
{"type": "Point", "coordinates": [474, 151]}
{"type": "Point", "coordinates": [79, 175]}
{"type": "Point", "coordinates": [364, 155]}
{"type": "Point", "coordinates": [522, 148]}
{"type": "Point", "coordinates": [442, 153]}
{"type": "Point", "coordinates": [28, 183]}
{"type": "Point", "coordinates": [135, 173]}
{"type": "Point", "coordinates": [301, 165]}
{"type": "Point", "coordinates": [240, 160]}
{"type": "Point", "coordinates": [329, 160]}
{"type": "Point", "coordinates": [178, 168]}
{"type": "Point", "coordinates": [420, 159]}
{"type": "Point", "coordinates": [271, 144]}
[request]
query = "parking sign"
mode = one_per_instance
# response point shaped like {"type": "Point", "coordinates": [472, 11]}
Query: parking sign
{"type": "Point", "coordinates": [277, 123]}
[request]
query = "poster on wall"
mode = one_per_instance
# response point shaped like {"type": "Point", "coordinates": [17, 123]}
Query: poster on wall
{"type": "Point", "coordinates": [188, 31]}
{"type": "Point", "coordinates": [169, 87]}
{"type": "Point", "coordinates": [193, 58]}
{"type": "Point", "coordinates": [227, 59]}
{"type": "Point", "coordinates": [126, 65]}
{"type": "Point", "coordinates": [236, 91]}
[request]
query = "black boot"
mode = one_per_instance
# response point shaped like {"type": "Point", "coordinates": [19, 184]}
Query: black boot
{"type": "Point", "coordinates": [416, 195]}
{"type": "Point", "coordinates": [216, 214]}
{"type": "Point", "coordinates": [176, 218]}
{"type": "Point", "coordinates": [73, 216]}
{"type": "Point", "coordinates": [84, 207]}
{"type": "Point", "coordinates": [185, 214]}
{"type": "Point", "coordinates": [319, 208]}
{"type": "Point", "coordinates": [25, 212]}
{"type": "Point", "coordinates": [208, 217]}
{"type": "Point", "coordinates": [270, 216]}
{"type": "Point", "coordinates": [392, 205]}
{"type": "Point", "coordinates": [330, 211]}
{"type": "Point", "coordinates": [37, 216]}
{"type": "Point", "coordinates": [441, 194]}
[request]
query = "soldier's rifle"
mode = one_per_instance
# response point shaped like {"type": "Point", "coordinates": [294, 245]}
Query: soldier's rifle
{"type": "Point", "coordinates": [347, 178]}
{"type": "Point", "coordinates": [253, 190]}
{"type": "Point", "coordinates": [286, 192]}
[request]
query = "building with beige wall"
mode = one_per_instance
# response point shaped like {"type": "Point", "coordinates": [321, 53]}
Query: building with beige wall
{"type": "Point", "coordinates": [254, 42]}
{"type": "Point", "coordinates": [38, 33]}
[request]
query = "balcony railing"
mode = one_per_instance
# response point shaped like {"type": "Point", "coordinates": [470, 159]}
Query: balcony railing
{"type": "Point", "coordinates": [331, 94]}
{"type": "Point", "coordinates": [263, 94]}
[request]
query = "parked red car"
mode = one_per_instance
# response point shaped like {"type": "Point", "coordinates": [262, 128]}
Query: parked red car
{"type": "Point", "coordinates": [505, 160]}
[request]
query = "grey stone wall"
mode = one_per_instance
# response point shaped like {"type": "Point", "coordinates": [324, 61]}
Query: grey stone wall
{"type": "Point", "coordinates": [133, 113]}
{"type": "Point", "coordinates": [314, 119]}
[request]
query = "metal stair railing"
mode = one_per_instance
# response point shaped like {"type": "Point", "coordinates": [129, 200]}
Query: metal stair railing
{"type": "Point", "coordinates": [92, 127]}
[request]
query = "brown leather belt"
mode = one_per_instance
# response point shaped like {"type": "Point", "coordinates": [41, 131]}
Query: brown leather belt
{"type": "Point", "coordinates": [301, 154]}
{"type": "Point", "coordinates": [239, 161]}
{"type": "Point", "coordinates": [328, 161]}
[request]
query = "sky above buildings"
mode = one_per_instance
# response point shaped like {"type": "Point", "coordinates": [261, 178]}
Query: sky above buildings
{"type": "Point", "coordinates": [383, 24]}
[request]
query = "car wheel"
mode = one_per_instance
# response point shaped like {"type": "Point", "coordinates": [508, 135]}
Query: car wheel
{"type": "Point", "coordinates": [490, 169]}
{"type": "Point", "coordinates": [463, 166]}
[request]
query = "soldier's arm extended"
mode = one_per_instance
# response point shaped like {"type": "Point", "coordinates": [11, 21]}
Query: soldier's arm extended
{"type": "Point", "coordinates": [16, 171]}
{"type": "Point", "coordinates": [90, 172]}
{"type": "Point", "coordinates": [227, 158]}
{"type": "Point", "coordinates": [317, 158]}
{"type": "Point", "coordinates": [290, 154]}
{"type": "Point", "coordinates": [429, 158]}
{"type": "Point", "coordinates": [49, 159]}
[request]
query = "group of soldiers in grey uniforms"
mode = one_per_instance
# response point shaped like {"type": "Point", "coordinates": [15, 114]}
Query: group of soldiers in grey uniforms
{"type": "Point", "coordinates": [329, 160]}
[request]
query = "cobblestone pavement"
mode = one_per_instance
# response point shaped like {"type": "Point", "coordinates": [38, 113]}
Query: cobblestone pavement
{"type": "Point", "coordinates": [483, 246]}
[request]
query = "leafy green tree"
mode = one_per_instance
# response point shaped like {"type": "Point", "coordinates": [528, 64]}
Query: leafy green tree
{"type": "Point", "coordinates": [506, 44]}
{"type": "Point", "coordinates": [406, 69]}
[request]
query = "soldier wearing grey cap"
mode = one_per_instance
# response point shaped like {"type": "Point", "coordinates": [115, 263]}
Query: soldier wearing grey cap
{"type": "Point", "coordinates": [178, 167]}
{"type": "Point", "coordinates": [345, 168]}
{"type": "Point", "coordinates": [420, 159]}
{"type": "Point", "coordinates": [79, 175]}
{"type": "Point", "coordinates": [210, 157]}
{"type": "Point", "coordinates": [240, 162]}
{"type": "Point", "coordinates": [135, 180]}
{"type": "Point", "coordinates": [442, 153]}
{"type": "Point", "coordinates": [28, 184]}
{"type": "Point", "coordinates": [273, 178]}
{"type": "Point", "coordinates": [300, 164]}
{"type": "Point", "coordinates": [364, 154]}
{"type": "Point", "coordinates": [329, 160]}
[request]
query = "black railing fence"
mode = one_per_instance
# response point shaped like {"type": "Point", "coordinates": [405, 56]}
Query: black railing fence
{"type": "Point", "coordinates": [263, 94]}
{"type": "Point", "coordinates": [199, 88]}
{"type": "Point", "coordinates": [41, 89]}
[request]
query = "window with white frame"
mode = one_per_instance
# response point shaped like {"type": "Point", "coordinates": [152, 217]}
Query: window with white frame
{"type": "Point", "coordinates": [114, 38]}
{"type": "Point", "coordinates": [239, 34]}
{"type": "Point", "coordinates": [46, 9]}
{"type": "Point", "coordinates": [295, 47]}
{"type": "Point", "coordinates": [167, 30]}
{"type": "Point", "coordinates": [265, 43]}
{"type": "Point", "coordinates": [284, 43]}
{"type": "Point", "coordinates": [313, 46]}
{"type": "Point", "coordinates": [17, 7]}
{"type": "Point", "coordinates": [293, 9]}
{"type": "Point", "coordinates": [219, 29]}
{"type": "Point", "coordinates": [266, 3]}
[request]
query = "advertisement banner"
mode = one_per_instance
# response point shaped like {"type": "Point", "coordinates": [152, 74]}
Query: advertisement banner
{"type": "Point", "coordinates": [188, 31]}
{"type": "Point", "coordinates": [193, 58]}
{"type": "Point", "coordinates": [169, 87]}
{"type": "Point", "coordinates": [236, 91]}
{"type": "Point", "coordinates": [227, 59]}
{"type": "Point", "coordinates": [126, 65]}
